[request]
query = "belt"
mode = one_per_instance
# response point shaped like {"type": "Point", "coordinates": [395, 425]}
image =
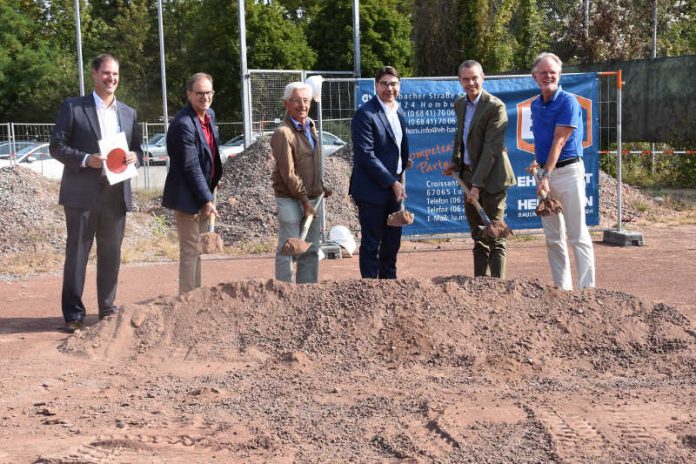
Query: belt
{"type": "Point", "coordinates": [568, 161]}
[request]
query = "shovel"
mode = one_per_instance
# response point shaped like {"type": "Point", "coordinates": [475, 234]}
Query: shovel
{"type": "Point", "coordinates": [403, 217]}
{"type": "Point", "coordinates": [492, 228]}
{"type": "Point", "coordinates": [297, 246]}
{"type": "Point", "coordinates": [547, 205]}
{"type": "Point", "coordinates": [211, 243]}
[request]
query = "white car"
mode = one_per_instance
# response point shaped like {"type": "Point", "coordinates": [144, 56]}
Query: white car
{"type": "Point", "coordinates": [235, 145]}
{"type": "Point", "coordinates": [155, 149]}
{"type": "Point", "coordinates": [37, 158]}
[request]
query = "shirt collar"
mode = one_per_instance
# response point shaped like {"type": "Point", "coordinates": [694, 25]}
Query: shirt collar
{"type": "Point", "coordinates": [476, 100]}
{"type": "Point", "coordinates": [555, 96]}
{"type": "Point", "coordinates": [100, 103]}
{"type": "Point", "coordinates": [301, 127]}
{"type": "Point", "coordinates": [387, 109]}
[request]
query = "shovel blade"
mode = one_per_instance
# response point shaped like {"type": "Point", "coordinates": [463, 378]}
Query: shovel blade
{"type": "Point", "coordinates": [295, 247]}
{"type": "Point", "coordinates": [548, 206]}
{"type": "Point", "coordinates": [497, 229]}
{"type": "Point", "coordinates": [400, 218]}
{"type": "Point", "coordinates": [211, 243]}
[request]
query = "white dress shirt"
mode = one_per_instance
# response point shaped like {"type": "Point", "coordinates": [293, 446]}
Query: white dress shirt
{"type": "Point", "coordinates": [395, 124]}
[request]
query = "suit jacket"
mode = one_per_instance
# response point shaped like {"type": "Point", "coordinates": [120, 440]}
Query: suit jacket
{"type": "Point", "coordinates": [490, 166]}
{"type": "Point", "coordinates": [375, 154]}
{"type": "Point", "coordinates": [76, 134]}
{"type": "Point", "coordinates": [191, 180]}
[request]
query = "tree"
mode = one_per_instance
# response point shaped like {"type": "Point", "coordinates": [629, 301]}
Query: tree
{"type": "Point", "coordinates": [385, 36]}
{"type": "Point", "coordinates": [34, 74]}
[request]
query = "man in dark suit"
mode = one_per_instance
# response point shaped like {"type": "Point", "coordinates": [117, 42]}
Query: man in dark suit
{"type": "Point", "coordinates": [193, 143]}
{"type": "Point", "coordinates": [93, 208]}
{"type": "Point", "coordinates": [380, 154]}
{"type": "Point", "coordinates": [479, 157]}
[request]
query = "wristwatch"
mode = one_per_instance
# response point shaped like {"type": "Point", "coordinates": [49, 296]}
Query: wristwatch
{"type": "Point", "coordinates": [545, 173]}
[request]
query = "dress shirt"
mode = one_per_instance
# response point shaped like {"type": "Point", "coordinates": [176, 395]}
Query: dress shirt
{"type": "Point", "coordinates": [208, 133]}
{"type": "Point", "coordinates": [306, 128]}
{"type": "Point", "coordinates": [393, 118]}
{"type": "Point", "coordinates": [108, 120]}
{"type": "Point", "coordinates": [468, 117]}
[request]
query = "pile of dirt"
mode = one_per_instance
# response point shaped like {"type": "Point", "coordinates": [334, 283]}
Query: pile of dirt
{"type": "Point", "coordinates": [246, 202]}
{"type": "Point", "coordinates": [31, 220]}
{"type": "Point", "coordinates": [396, 371]}
{"type": "Point", "coordinates": [635, 205]}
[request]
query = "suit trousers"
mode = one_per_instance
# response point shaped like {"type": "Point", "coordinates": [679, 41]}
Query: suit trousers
{"type": "Point", "coordinates": [379, 243]}
{"type": "Point", "coordinates": [490, 255]}
{"type": "Point", "coordinates": [189, 228]}
{"type": "Point", "coordinates": [106, 221]}
{"type": "Point", "coordinates": [290, 215]}
{"type": "Point", "coordinates": [567, 184]}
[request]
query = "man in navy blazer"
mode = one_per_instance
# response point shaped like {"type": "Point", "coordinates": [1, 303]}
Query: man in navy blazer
{"type": "Point", "coordinates": [380, 154]}
{"type": "Point", "coordinates": [193, 143]}
{"type": "Point", "coordinates": [93, 208]}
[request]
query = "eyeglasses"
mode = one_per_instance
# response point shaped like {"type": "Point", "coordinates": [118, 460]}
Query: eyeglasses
{"type": "Point", "coordinates": [297, 101]}
{"type": "Point", "coordinates": [392, 84]}
{"type": "Point", "coordinates": [209, 93]}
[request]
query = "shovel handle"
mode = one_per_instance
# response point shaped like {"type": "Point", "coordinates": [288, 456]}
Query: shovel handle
{"type": "Point", "coordinates": [211, 223]}
{"type": "Point", "coordinates": [403, 183]}
{"type": "Point", "coordinates": [535, 173]}
{"type": "Point", "coordinates": [308, 220]}
{"type": "Point", "coordinates": [479, 209]}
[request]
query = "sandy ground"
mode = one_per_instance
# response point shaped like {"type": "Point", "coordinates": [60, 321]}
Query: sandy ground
{"type": "Point", "coordinates": [434, 367]}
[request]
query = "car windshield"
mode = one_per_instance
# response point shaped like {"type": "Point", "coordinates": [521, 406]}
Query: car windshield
{"type": "Point", "coordinates": [27, 149]}
{"type": "Point", "coordinates": [238, 140]}
{"type": "Point", "coordinates": [5, 147]}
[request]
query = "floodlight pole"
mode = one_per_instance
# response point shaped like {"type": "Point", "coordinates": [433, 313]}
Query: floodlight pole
{"type": "Point", "coordinates": [78, 33]}
{"type": "Point", "coordinates": [160, 25]}
{"type": "Point", "coordinates": [246, 85]}
{"type": "Point", "coordinates": [356, 38]}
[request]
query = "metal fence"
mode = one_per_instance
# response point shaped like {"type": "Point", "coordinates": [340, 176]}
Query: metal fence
{"type": "Point", "coordinates": [267, 88]}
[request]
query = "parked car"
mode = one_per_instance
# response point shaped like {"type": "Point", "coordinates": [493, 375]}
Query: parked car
{"type": "Point", "coordinates": [6, 147]}
{"type": "Point", "coordinates": [155, 149]}
{"type": "Point", "coordinates": [37, 158]}
{"type": "Point", "coordinates": [235, 145]}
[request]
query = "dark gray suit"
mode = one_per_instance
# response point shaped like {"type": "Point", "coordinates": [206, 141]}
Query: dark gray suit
{"type": "Point", "coordinates": [92, 206]}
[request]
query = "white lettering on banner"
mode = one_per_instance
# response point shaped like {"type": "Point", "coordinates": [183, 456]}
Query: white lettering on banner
{"type": "Point", "coordinates": [588, 178]}
{"type": "Point", "coordinates": [442, 183]}
{"type": "Point", "coordinates": [590, 201]}
{"type": "Point", "coordinates": [527, 204]}
{"type": "Point", "coordinates": [526, 181]}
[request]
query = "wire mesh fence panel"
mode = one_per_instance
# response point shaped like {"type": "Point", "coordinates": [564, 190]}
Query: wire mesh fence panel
{"type": "Point", "coordinates": [267, 88]}
{"type": "Point", "coordinates": [5, 133]}
{"type": "Point", "coordinates": [32, 132]}
{"type": "Point", "coordinates": [338, 106]}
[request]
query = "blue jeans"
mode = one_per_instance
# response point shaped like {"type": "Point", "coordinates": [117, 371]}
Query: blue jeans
{"type": "Point", "coordinates": [290, 215]}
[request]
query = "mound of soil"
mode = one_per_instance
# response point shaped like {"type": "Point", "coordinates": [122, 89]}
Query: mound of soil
{"type": "Point", "coordinates": [449, 370]}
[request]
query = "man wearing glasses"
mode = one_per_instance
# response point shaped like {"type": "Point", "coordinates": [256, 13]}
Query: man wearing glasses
{"type": "Point", "coordinates": [380, 154]}
{"type": "Point", "coordinates": [193, 143]}
{"type": "Point", "coordinates": [297, 184]}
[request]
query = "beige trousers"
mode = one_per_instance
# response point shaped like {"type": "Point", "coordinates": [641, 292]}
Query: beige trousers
{"type": "Point", "coordinates": [189, 228]}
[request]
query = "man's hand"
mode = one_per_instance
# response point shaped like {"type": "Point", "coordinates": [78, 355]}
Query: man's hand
{"type": "Point", "coordinates": [327, 192]}
{"type": "Point", "coordinates": [308, 208]}
{"type": "Point", "coordinates": [131, 157]}
{"type": "Point", "coordinates": [532, 167]}
{"type": "Point", "coordinates": [473, 195]}
{"type": "Point", "coordinates": [208, 209]}
{"type": "Point", "coordinates": [409, 163]}
{"type": "Point", "coordinates": [449, 170]}
{"type": "Point", "coordinates": [399, 191]}
{"type": "Point", "coordinates": [95, 160]}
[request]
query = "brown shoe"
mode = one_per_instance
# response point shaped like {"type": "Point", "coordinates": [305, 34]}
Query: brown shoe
{"type": "Point", "coordinates": [73, 326]}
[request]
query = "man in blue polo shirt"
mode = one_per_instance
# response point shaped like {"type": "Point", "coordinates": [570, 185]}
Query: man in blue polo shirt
{"type": "Point", "coordinates": [558, 133]}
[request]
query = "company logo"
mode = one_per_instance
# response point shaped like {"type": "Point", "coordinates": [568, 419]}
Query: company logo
{"type": "Point", "coordinates": [525, 138]}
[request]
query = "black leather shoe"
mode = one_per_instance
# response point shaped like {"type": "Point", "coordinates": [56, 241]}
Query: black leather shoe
{"type": "Point", "coordinates": [72, 326]}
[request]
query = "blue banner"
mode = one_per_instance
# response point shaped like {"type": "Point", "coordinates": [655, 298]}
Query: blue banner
{"type": "Point", "coordinates": [436, 200]}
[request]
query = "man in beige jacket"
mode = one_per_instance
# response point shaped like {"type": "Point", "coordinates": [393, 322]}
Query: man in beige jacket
{"type": "Point", "coordinates": [297, 183]}
{"type": "Point", "coordinates": [479, 157]}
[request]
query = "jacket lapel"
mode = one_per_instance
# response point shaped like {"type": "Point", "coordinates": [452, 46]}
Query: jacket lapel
{"type": "Point", "coordinates": [91, 114]}
{"type": "Point", "coordinates": [480, 108]}
{"type": "Point", "coordinates": [385, 122]}
{"type": "Point", "coordinates": [124, 122]}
